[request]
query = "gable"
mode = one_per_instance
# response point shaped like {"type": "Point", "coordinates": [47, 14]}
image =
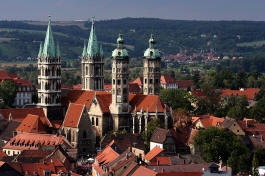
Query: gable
{"type": "Point", "coordinates": [95, 108]}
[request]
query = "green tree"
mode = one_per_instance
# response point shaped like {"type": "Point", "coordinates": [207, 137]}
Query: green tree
{"type": "Point", "coordinates": [151, 126]}
{"type": "Point", "coordinates": [176, 98]}
{"type": "Point", "coordinates": [218, 145]}
{"type": "Point", "coordinates": [258, 110]}
{"type": "Point", "coordinates": [8, 92]}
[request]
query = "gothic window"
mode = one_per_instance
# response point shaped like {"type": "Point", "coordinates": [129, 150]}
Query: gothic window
{"type": "Point", "coordinates": [151, 53]}
{"type": "Point", "coordinates": [86, 70]}
{"type": "Point", "coordinates": [150, 81]}
{"type": "Point", "coordinates": [113, 81]}
{"type": "Point", "coordinates": [119, 82]}
{"type": "Point", "coordinates": [53, 71]}
{"type": "Point", "coordinates": [124, 99]}
{"type": "Point", "coordinates": [124, 91]}
{"type": "Point", "coordinates": [69, 135]}
{"type": "Point", "coordinates": [96, 121]}
{"type": "Point", "coordinates": [124, 81]}
{"type": "Point", "coordinates": [93, 121]}
{"type": "Point", "coordinates": [157, 81]}
{"type": "Point", "coordinates": [145, 81]}
{"type": "Point", "coordinates": [46, 100]}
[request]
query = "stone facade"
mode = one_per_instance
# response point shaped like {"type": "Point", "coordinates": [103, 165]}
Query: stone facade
{"type": "Point", "coordinates": [92, 64]}
{"type": "Point", "coordinates": [152, 67]}
{"type": "Point", "coordinates": [49, 74]}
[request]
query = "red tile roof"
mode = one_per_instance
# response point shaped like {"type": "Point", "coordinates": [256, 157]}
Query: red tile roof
{"type": "Point", "coordinates": [138, 81]}
{"type": "Point", "coordinates": [180, 174]}
{"type": "Point", "coordinates": [22, 82]}
{"type": "Point", "coordinates": [107, 155]}
{"type": "Point", "coordinates": [167, 79]}
{"type": "Point", "coordinates": [73, 115]}
{"type": "Point", "coordinates": [184, 83]}
{"type": "Point", "coordinates": [54, 166]}
{"type": "Point", "coordinates": [12, 75]}
{"type": "Point", "coordinates": [248, 92]}
{"type": "Point", "coordinates": [198, 93]}
{"type": "Point", "coordinates": [153, 153]}
{"type": "Point", "coordinates": [208, 120]}
{"type": "Point", "coordinates": [143, 171]}
{"type": "Point", "coordinates": [4, 75]}
{"type": "Point", "coordinates": [145, 102]}
{"type": "Point", "coordinates": [20, 114]}
{"type": "Point", "coordinates": [33, 138]}
{"type": "Point", "coordinates": [252, 128]}
{"type": "Point", "coordinates": [57, 123]}
{"type": "Point", "coordinates": [161, 160]}
{"type": "Point", "coordinates": [31, 124]}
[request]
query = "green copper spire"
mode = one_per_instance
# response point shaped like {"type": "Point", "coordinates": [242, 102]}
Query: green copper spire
{"type": "Point", "coordinates": [58, 53]}
{"type": "Point", "coordinates": [92, 47]}
{"type": "Point", "coordinates": [120, 51]}
{"type": "Point", "coordinates": [84, 53]}
{"type": "Point", "coordinates": [101, 53]}
{"type": "Point", "coordinates": [152, 52]}
{"type": "Point", "coordinates": [41, 48]}
{"type": "Point", "coordinates": [49, 47]}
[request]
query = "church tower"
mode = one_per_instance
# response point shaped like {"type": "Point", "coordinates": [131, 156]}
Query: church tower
{"type": "Point", "coordinates": [152, 67]}
{"type": "Point", "coordinates": [49, 76]}
{"type": "Point", "coordinates": [119, 107]}
{"type": "Point", "coordinates": [92, 64]}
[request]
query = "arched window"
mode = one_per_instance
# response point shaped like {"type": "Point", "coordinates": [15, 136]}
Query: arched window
{"type": "Point", "coordinates": [93, 121]}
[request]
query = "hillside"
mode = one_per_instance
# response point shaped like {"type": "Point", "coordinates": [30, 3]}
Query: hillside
{"type": "Point", "coordinates": [21, 38]}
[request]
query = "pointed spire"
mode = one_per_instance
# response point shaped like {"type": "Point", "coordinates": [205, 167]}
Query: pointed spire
{"type": "Point", "coordinates": [120, 41]}
{"type": "Point", "coordinates": [49, 47]}
{"type": "Point", "coordinates": [41, 49]}
{"type": "Point", "coordinates": [101, 53]}
{"type": "Point", "coordinates": [84, 50]}
{"type": "Point", "coordinates": [151, 41]}
{"type": "Point", "coordinates": [92, 47]}
{"type": "Point", "coordinates": [58, 53]}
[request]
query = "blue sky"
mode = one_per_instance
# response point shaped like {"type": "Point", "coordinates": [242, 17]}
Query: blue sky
{"type": "Point", "coordinates": [112, 9]}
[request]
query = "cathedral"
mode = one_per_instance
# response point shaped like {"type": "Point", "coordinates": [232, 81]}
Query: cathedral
{"type": "Point", "coordinates": [108, 111]}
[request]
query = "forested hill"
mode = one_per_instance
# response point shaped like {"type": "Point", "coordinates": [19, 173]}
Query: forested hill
{"type": "Point", "coordinates": [21, 38]}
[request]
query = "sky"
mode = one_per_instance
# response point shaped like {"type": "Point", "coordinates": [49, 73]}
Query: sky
{"type": "Point", "coordinates": [64, 10]}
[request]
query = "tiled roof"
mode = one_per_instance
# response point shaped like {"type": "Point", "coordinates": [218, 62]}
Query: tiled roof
{"type": "Point", "coordinates": [184, 83]}
{"type": "Point", "coordinates": [54, 166]}
{"type": "Point", "coordinates": [153, 153]}
{"type": "Point", "coordinates": [124, 141]}
{"type": "Point", "coordinates": [98, 169]}
{"type": "Point", "coordinates": [12, 75]}
{"type": "Point", "coordinates": [252, 128]}
{"type": "Point", "coordinates": [31, 124]}
{"type": "Point", "coordinates": [77, 87]}
{"type": "Point", "coordinates": [141, 102]}
{"type": "Point", "coordinates": [198, 93]}
{"type": "Point", "coordinates": [33, 156]}
{"type": "Point", "coordinates": [125, 158]}
{"type": "Point", "coordinates": [180, 174]}
{"type": "Point", "coordinates": [161, 160]}
{"type": "Point", "coordinates": [130, 169]}
{"type": "Point", "coordinates": [208, 120]}
{"type": "Point", "coordinates": [33, 139]}
{"type": "Point", "coordinates": [143, 171]}
{"type": "Point", "coordinates": [139, 81]}
{"type": "Point", "coordinates": [248, 92]}
{"type": "Point", "coordinates": [181, 168]}
{"type": "Point", "coordinates": [57, 123]}
{"type": "Point", "coordinates": [73, 115]}
{"type": "Point", "coordinates": [22, 82]}
{"type": "Point", "coordinates": [4, 75]}
{"type": "Point", "coordinates": [20, 114]}
{"type": "Point", "coordinates": [159, 135]}
{"type": "Point", "coordinates": [107, 155]}
{"type": "Point", "coordinates": [257, 141]}
{"type": "Point", "coordinates": [147, 102]}
{"type": "Point", "coordinates": [167, 79]}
